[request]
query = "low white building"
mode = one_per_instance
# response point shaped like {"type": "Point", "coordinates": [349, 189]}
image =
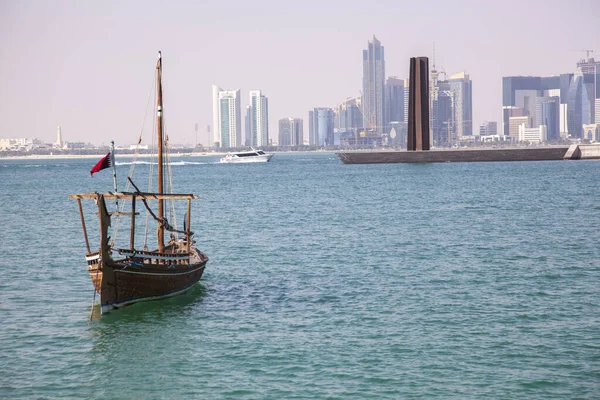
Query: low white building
{"type": "Point", "coordinates": [20, 144]}
{"type": "Point", "coordinates": [138, 147]}
{"type": "Point", "coordinates": [491, 138]}
{"type": "Point", "coordinates": [533, 135]}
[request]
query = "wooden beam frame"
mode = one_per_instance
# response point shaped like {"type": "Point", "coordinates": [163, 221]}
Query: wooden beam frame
{"type": "Point", "coordinates": [130, 195]}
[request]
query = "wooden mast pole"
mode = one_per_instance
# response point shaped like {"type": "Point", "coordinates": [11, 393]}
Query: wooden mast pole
{"type": "Point", "coordinates": [161, 232]}
{"type": "Point", "coordinates": [132, 233]}
{"type": "Point", "coordinates": [114, 168]}
{"type": "Point", "coordinates": [188, 232]}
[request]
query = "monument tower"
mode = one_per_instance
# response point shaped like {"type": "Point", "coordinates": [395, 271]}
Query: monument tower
{"type": "Point", "coordinates": [59, 141]}
{"type": "Point", "coordinates": [418, 105]}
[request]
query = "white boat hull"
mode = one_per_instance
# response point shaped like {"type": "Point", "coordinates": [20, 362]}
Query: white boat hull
{"type": "Point", "coordinates": [252, 159]}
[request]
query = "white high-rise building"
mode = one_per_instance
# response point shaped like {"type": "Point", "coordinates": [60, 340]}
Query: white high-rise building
{"type": "Point", "coordinates": [563, 126]}
{"type": "Point", "coordinates": [248, 126]}
{"type": "Point", "coordinates": [259, 118]}
{"type": "Point", "coordinates": [227, 121]}
{"type": "Point", "coordinates": [215, 127]}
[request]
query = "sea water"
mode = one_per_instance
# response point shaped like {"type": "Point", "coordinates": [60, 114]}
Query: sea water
{"type": "Point", "coordinates": [467, 280]}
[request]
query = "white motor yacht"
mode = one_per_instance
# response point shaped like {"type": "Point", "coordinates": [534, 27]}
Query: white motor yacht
{"type": "Point", "coordinates": [247, 157]}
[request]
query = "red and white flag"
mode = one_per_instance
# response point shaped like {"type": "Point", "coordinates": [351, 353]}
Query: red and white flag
{"type": "Point", "coordinates": [105, 162]}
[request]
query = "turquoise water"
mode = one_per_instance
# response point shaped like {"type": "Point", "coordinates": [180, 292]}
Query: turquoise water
{"type": "Point", "coordinates": [325, 281]}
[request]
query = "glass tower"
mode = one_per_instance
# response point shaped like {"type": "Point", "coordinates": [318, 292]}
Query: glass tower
{"type": "Point", "coordinates": [320, 130]}
{"type": "Point", "coordinates": [578, 105]}
{"type": "Point", "coordinates": [373, 94]}
{"type": "Point", "coordinates": [259, 118]}
{"type": "Point", "coordinates": [394, 101]}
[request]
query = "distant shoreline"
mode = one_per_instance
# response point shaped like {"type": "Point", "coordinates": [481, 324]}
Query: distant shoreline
{"type": "Point", "coordinates": [130, 155]}
{"type": "Point", "coordinates": [83, 156]}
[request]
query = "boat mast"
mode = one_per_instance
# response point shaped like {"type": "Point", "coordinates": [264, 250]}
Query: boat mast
{"type": "Point", "coordinates": [114, 168]}
{"type": "Point", "coordinates": [161, 232]}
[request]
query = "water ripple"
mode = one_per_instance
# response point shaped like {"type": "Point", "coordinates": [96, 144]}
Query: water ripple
{"type": "Point", "coordinates": [325, 281]}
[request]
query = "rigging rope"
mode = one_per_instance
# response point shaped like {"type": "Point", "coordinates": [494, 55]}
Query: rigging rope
{"type": "Point", "coordinates": [151, 172]}
{"type": "Point", "coordinates": [133, 164]}
{"type": "Point", "coordinates": [164, 222]}
{"type": "Point", "coordinates": [169, 189]}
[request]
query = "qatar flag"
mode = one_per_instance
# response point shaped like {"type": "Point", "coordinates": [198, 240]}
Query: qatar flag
{"type": "Point", "coordinates": [102, 164]}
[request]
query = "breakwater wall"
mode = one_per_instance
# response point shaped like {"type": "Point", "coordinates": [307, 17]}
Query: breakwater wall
{"type": "Point", "coordinates": [573, 152]}
{"type": "Point", "coordinates": [583, 152]}
{"type": "Point", "coordinates": [470, 155]}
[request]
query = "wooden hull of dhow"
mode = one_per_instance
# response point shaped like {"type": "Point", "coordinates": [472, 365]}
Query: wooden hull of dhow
{"type": "Point", "coordinates": [122, 283]}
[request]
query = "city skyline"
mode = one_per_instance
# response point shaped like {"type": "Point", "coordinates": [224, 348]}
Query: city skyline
{"type": "Point", "coordinates": [86, 66]}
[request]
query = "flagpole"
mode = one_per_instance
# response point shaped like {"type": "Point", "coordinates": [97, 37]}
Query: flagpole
{"type": "Point", "coordinates": [114, 168]}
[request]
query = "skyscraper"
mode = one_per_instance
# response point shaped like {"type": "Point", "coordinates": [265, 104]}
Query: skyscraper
{"type": "Point", "coordinates": [442, 118]}
{"type": "Point", "coordinates": [373, 93]}
{"type": "Point", "coordinates": [320, 130]}
{"type": "Point", "coordinates": [259, 118]}
{"type": "Point", "coordinates": [591, 75]}
{"type": "Point", "coordinates": [563, 86]}
{"type": "Point", "coordinates": [597, 98]}
{"type": "Point", "coordinates": [578, 105]}
{"type": "Point", "coordinates": [348, 116]}
{"type": "Point", "coordinates": [248, 126]}
{"type": "Point", "coordinates": [394, 101]}
{"type": "Point", "coordinates": [527, 99]}
{"type": "Point", "coordinates": [524, 92]}
{"type": "Point", "coordinates": [227, 118]}
{"type": "Point", "coordinates": [291, 132]}
{"type": "Point", "coordinates": [548, 114]}
{"type": "Point", "coordinates": [511, 85]}
{"type": "Point", "coordinates": [406, 96]}
{"type": "Point", "coordinates": [216, 133]}
{"type": "Point", "coordinates": [462, 89]}
{"type": "Point", "coordinates": [451, 104]}
{"type": "Point", "coordinates": [507, 113]}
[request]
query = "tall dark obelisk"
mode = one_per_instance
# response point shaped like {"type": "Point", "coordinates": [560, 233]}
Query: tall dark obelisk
{"type": "Point", "coordinates": [418, 105]}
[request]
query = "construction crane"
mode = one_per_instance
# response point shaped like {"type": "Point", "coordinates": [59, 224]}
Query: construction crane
{"type": "Point", "coordinates": [587, 52]}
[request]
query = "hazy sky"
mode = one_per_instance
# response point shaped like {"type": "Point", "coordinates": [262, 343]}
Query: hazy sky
{"type": "Point", "coordinates": [88, 65]}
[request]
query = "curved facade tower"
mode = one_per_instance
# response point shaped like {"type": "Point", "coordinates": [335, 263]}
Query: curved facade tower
{"type": "Point", "coordinates": [373, 94]}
